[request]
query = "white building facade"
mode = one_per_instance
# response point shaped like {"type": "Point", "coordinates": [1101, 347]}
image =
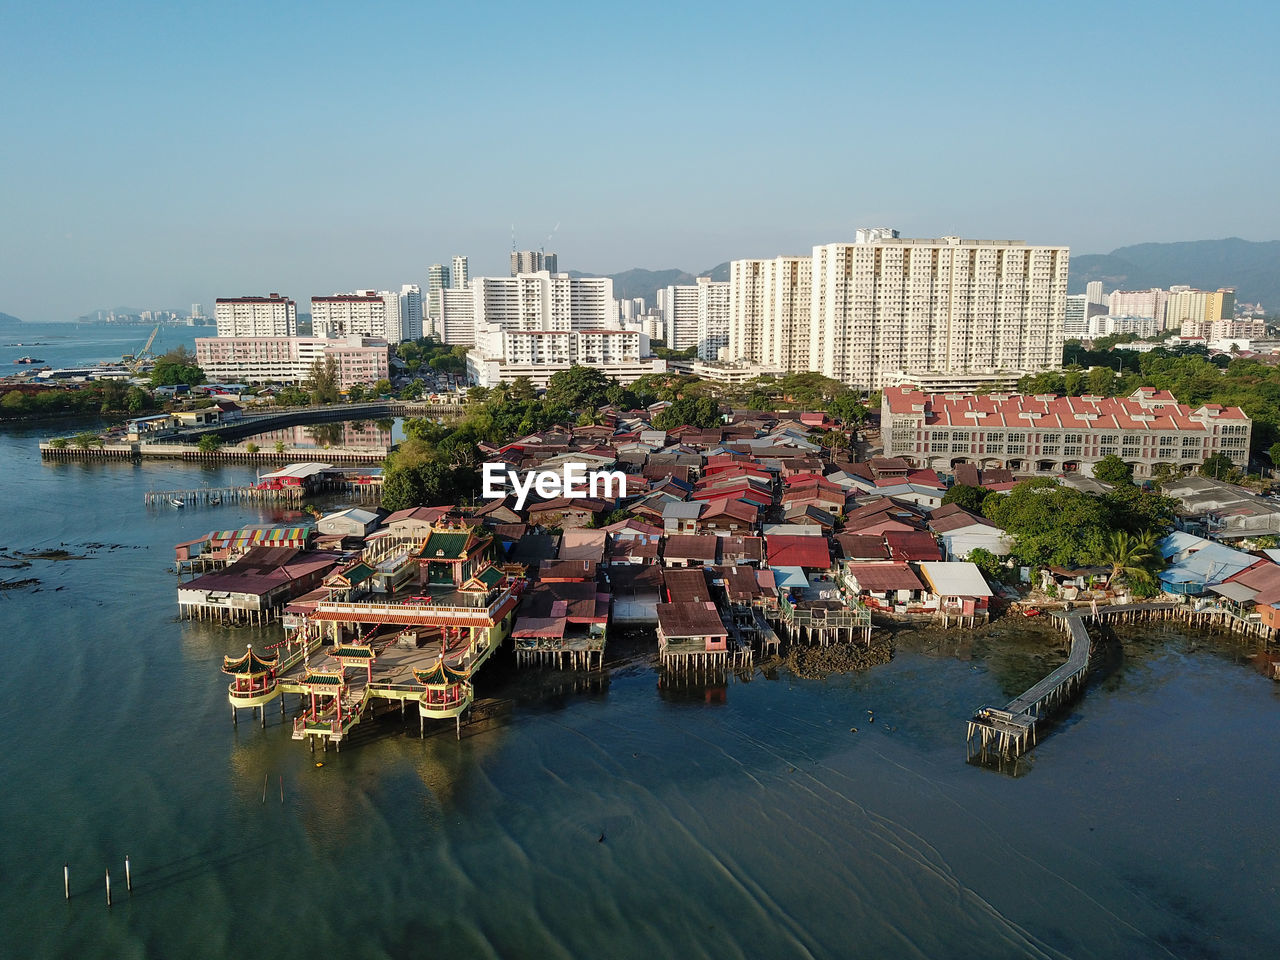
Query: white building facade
{"type": "Point", "coordinates": [289, 360]}
{"type": "Point", "coordinates": [713, 318]}
{"type": "Point", "coordinates": [270, 316]}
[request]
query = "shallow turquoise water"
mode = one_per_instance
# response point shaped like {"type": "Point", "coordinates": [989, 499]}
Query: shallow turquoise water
{"type": "Point", "coordinates": [760, 826]}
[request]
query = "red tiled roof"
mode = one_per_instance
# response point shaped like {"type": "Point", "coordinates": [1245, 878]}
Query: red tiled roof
{"type": "Point", "coordinates": [787, 550]}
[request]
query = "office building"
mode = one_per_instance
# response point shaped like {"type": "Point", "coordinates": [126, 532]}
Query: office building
{"type": "Point", "coordinates": [271, 316]}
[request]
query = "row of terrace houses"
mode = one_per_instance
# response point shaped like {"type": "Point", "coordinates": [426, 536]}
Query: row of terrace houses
{"type": "Point", "coordinates": [1055, 435]}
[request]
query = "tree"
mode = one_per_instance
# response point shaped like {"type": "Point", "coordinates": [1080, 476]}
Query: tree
{"type": "Point", "coordinates": [1128, 555]}
{"type": "Point", "coordinates": [578, 388]}
{"type": "Point", "coordinates": [251, 448]}
{"type": "Point", "coordinates": [381, 388]}
{"type": "Point", "coordinates": [970, 498]}
{"type": "Point", "coordinates": [209, 443]}
{"type": "Point", "coordinates": [992, 567]}
{"type": "Point", "coordinates": [848, 409]}
{"type": "Point", "coordinates": [1101, 381]}
{"type": "Point", "coordinates": [86, 440]}
{"type": "Point", "coordinates": [1111, 469]}
{"type": "Point", "coordinates": [696, 412]}
{"type": "Point", "coordinates": [355, 392]}
{"type": "Point", "coordinates": [1218, 466]}
{"type": "Point", "coordinates": [1273, 452]}
{"type": "Point", "coordinates": [323, 384]}
{"type": "Point", "coordinates": [176, 366]}
{"type": "Point", "coordinates": [279, 447]}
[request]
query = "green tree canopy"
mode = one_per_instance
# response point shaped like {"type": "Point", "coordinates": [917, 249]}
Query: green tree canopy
{"type": "Point", "coordinates": [695, 411]}
{"type": "Point", "coordinates": [971, 498]}
{"type": "Point", "coordinates": [1111, 469]}
{"type": "Point", "coordinates": [176, 366]}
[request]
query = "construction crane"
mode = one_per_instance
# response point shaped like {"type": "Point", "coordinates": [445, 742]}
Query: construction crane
{"type": "Point", "coordinates": [134, 361]}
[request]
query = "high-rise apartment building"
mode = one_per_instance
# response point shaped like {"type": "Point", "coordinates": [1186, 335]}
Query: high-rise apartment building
{"type": "Point", "coordinates": [456, 324]}
{"type": "Point", "coordinates": [410, 311]}
{"type": "Point", "coordinates": [533, 261]}
{"type": "Point", "coordinates": [713, 318]}
{"type": "Point", "coordinates": [1153, 303]}
{"type": "Point", "coordinates": [1075, 322]}
{"type": "Point", "coordinates": [1187, 306]}
{"type": "Point", "coordinates": [271, 316]}
{"type": "Point", "coordinates": [366, 313]}
{"type": "Point", "coordinates": [460, 277]}
{"type": "Point", "coordinates": [769, 312]}
{"type": "Point", "coordinates": [890, 306]}
{"type": "Point", "coordinates": [1093, 290]}
{"type": "Point", "coordinates": [437, 280]}
{"type": "Point", "coordinates": [680, 315]}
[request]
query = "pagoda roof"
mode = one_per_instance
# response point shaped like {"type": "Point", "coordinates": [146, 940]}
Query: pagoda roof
{"type": "Point", "coordinates": [450, 544]}
{"type": "Point", "coordinates": [250, 663]}
{"type": "Point", "coordinates": [353, 651]}
{"type": "Point", "coordinates": [441, 673]}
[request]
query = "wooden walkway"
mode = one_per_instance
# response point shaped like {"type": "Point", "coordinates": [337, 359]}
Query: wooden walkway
{"type": "Point", "coordinates": [1011, 731]}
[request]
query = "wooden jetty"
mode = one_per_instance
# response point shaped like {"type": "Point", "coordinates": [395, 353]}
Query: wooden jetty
{"type": "Point", "coordinates": [1011, 731]}
{"type": "Point", "coordinates": [251, 493]}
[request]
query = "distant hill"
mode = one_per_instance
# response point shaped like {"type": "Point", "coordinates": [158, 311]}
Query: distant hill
{"type": "Point", "coordinates": [7, 319]}
{"type": "Point", "coordinates": [1252, 267]}
{"type": "Point", "coordinates": [639, 282]}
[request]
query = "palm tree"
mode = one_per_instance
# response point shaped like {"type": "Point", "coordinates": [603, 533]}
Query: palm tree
{"type": "Point", "coordinates": [1128, 555]}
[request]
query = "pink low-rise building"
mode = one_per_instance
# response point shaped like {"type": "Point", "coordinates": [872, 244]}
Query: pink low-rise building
{"type": "Point", "coordinates": [290, 360]}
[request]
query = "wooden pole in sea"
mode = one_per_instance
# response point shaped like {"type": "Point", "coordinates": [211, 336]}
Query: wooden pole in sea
{"type": "Point", "coordinates": [66, 881]}
{"type": "Point", "coordinates": [128, 875]}
{"type": "Point", "coordinates": [108, 888]}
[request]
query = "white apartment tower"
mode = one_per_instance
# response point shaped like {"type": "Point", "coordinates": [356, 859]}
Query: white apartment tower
{"type": "Point", "coordinates": [460, 277]}
{"type": "Point", "coordinates": [948, 306]}
{"type": "Point", "coordinates": [437, 280]}
{"type": "Point", "coordinates": [1075, 322]}
{"type": "Point", "coordinates": [410, 311]}
{"type": "Point", "coordinates": [889, 307]}
{"type": "Point", "coordinates": [366, 313]}
{"type": "Point", "coordinates": [680, 316]}
{"type": "Point", "coordinates": [1093, 290]}
{"type": "Point", "coordinates": [769, 312]}
{"type": "Point", "coordinates": [271, 316]}
{"type": "Point", "coordinates": [533, 261]}
{"type": "Point", "coordinates": [456, 322]}
{"type": "Point", "coordinates": [713, 318]}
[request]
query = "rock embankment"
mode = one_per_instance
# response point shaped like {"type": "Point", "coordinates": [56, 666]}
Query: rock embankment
{"type": "Point", "coordinates": [817, 663]}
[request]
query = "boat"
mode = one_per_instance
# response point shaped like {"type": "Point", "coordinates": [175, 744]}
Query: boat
{"type": "Point", "coordinates": [215, 500]}
{"type": "Point", "coordinates": [28, 360]}
{"type": "Point", "coordinates": [176, 502]}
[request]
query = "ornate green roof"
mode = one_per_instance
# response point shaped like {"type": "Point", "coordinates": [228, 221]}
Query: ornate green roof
{"type": "Point", "coordinates": [323, 679]}
{"type": "Point", "coordinates": [351, 651]}
{"type": "Point", "coordinates": [249, 663]}
{"type": "Point", "coordinates": [441, 673]}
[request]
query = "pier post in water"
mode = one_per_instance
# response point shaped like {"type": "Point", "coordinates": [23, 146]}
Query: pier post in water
{"type": "Point", "coordinates": [108, 888]}
{"type": "Point", "coordinates": [128, 876]}
{"type": "Point", "coordinates": [66, 881]}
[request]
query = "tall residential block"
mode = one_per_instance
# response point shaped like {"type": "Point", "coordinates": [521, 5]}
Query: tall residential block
{"type": "Point", "coordinates": [769, 314]}
{"type": "Point", "coordinates": [680, 315]}
{"type": "Point", "coordinates": [1153, 303]}
{"type": "Point", "coordinates": [271, 316]}
{"type": "Point", "coordinates": [891, 308]}
{"type": "Point", "coordinates": [366, 313]}
{"type": "Point", "coordinates": [460, 277]}
{"type": "Point", "coordinates": [1198, 307]}
{"type": "Point", "coordinates": [456, 322]}
{"type": "Point", "coordinates": [1075, 323]}
{"type": "Point", "coordinates": [1093, 290]}
{"type": "Point", "coordinates": [713, 318]}
{"type": "Point", "coordinates": [437, 280]}
{"type": "Point", "coordinates": [410, 311]}
{"type": "Point", "coordinates": [533, 261]}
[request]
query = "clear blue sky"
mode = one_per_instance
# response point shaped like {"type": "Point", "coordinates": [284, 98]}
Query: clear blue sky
{"type": "Point", "coordinates": [157, 154]}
